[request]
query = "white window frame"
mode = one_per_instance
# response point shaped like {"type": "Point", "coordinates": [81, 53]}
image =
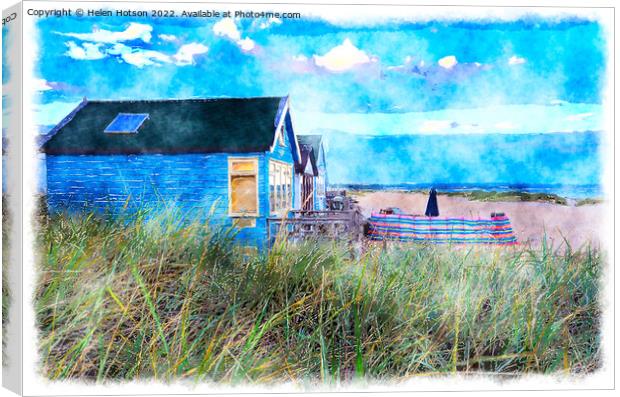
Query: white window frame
{"type": "Point", "coordinates": [320, 184]}
{"type": "Point", "coordinates": [256, 173]}
{"type": "Point", "coordinates": [279, 210]}
{"type": "Point", "coordinates": [281, 140]}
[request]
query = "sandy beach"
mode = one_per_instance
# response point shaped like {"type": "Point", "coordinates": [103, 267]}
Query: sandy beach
{"type": "Point", "coordinates": [579, 225]}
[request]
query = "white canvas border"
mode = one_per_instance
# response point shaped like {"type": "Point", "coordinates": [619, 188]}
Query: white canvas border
{"type": "Point", "coordinates": [34, 384]}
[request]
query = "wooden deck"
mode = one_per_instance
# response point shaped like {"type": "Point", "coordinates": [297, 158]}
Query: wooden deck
{"type": "Point", "coordinates": [330, 224]}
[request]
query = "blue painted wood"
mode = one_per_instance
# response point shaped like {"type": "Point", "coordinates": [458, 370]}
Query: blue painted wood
{"type": "Point", "coordinates": [194, 184]}
{"type": "Point", "coordinates": [315, 202]}
{"type": "Point", "coordinates": [282, 153]}
{"type": "Point", "coordinates": [321, 200]}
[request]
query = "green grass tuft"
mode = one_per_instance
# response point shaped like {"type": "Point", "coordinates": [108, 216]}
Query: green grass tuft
{"type": "Point", "coordinates": [482, 195]}
{"type": "Point", "coordinates": [122, 299]}
{"type": "Point", "coordinates": [589, 201]}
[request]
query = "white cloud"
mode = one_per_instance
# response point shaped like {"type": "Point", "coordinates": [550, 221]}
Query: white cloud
{"type": "Point", "coordinates": [469, 128]}
{"type": "Point", "coordinates": [87, 51]}
{"type": "Point", "coordinates": [185, 55]}
{"type": "Point", "coordinates": [139, 57]}
{"type": "Point", "coordinates": [579, 116]}
{"type": "Point", "coordinates": [136, 56]}
{"type": "Point", "coordinates": [448, 62]}
{"type": "Point", "coordinates": [270, 21]}
{"type": "Point", "coordinates": [167, 37]}
{"type": "Point", "coordinates": [342, 57]}
{"type": "Point", "coordinates": [227, 28]}
{"type": "Point", "coordinates": [246, 44]}
{"type": "Point", "coordinates": [408, 61]}
{"type": "Point", "coordinates": [41, 85]}
{"type": "Point", "coordinates": [435, 125]}
{"type": "Point", "coordinates": [527, 119]}
{"type": "Point", "coordinates": [135, 31]}
{"type": "Point", "coordinates": [515, 60]}
{"type": "Point", "coordinates": [505, 125]}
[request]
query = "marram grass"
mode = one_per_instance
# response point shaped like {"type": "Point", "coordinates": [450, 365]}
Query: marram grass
{"type": "Point", "coordinates": [159, 300]}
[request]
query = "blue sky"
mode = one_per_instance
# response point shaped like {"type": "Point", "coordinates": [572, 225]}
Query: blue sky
{"type": "Point", "coordinates": [394, 68]}
{"type": "Point", "coordinates": [384, 78]}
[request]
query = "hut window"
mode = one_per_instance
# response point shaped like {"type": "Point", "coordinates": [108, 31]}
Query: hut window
{"type": "Point", "coordinates": [281, 137]}
{"type": "Point", "coordinates": [243, 187]}
{"type": "Point", "coordinates": [320, 181]}
{"type": "Point", "coordinates": [126, 123]}
{"type": "Point", "coordinates": [280, 186]}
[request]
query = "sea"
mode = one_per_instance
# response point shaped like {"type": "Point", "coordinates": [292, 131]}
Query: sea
{"type": "Point", "coordinates": [577, 192]}
{"type": "Point", "coordinates": [569, 165]}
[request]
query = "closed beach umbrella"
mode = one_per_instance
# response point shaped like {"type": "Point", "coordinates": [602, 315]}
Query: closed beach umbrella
{"type": "Point", "coordinates": [432, 209]}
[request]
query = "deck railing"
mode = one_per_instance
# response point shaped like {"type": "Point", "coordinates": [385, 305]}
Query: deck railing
{"type": "Point", "coordinates": [327, 224]}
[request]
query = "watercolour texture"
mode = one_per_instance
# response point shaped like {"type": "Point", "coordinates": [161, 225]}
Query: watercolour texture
{"type": "Point", "coordinates": [241, 197]}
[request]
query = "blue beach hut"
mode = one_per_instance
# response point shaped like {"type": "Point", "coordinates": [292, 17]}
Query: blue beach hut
{"type": "Point", "coordinates": [312, 173]}
{"type": "Point", "coordinates": [232, 158]}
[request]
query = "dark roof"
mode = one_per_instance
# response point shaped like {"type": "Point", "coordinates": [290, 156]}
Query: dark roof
{"type": "Point", "coordinates": [307, 154]}
{"type": "Point", "coordinates": [220, 125]}
{"type": "Point", "coordinates": [312, 140]}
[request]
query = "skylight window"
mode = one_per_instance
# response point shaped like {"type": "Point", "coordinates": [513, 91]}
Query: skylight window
{"type": "Point", "coordinates": [126, 123]}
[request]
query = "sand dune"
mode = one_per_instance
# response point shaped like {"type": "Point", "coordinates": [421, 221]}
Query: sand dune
{"type": "Point", "coordinates": [530, 220]}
